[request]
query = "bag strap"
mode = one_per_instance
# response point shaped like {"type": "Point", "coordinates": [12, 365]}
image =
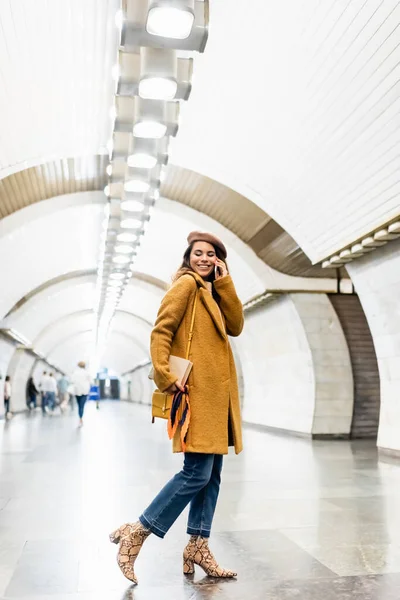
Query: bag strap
{"type": "Point", "coordinates": [192, 324]}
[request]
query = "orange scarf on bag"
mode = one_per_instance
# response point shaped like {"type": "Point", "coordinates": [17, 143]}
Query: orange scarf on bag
{"type": "Point", "coordinates": [179, 415]}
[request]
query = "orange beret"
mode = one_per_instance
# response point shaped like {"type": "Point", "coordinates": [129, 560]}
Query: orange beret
{"type": "Point", "coordinates": [199, 236]}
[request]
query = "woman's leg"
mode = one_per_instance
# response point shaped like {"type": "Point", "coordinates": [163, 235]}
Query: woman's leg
{"type": "Point", "coordinates": [202, 507]}
{"type": "Point", "coordinates": [6, 407]}
{"type": "Point", "coordinates": [82, 406]}
{"type": "Point", "coordinates": [178, 492]}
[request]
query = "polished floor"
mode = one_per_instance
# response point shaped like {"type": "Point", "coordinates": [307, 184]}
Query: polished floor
{"type": "Point", "coordinates": [297, 520]}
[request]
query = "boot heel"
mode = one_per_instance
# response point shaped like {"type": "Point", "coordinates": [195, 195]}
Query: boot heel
{"type": "Point", "coordinates": [115, 536]}
{"type": "Point", "coordinates": [188, 566]}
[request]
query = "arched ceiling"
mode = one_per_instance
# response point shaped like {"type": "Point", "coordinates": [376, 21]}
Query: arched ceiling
{"type": "Point", "coordinates": [232, 210]}
{"type": "Point", "coordinates": [296, 106]}
{"type": "Point", "coordinates": [48, 240]}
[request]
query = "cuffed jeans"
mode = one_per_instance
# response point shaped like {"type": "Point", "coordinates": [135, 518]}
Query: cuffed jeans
{"type": "Point", "coordinates": [197, 483]}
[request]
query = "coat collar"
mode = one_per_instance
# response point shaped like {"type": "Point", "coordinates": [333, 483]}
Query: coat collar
{"type": "Point", "coordinates": [209, 303]}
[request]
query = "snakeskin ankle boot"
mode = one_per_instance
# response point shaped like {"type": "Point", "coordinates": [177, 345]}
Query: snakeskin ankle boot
{"type": "Point", "coordinates": [197, 552]}
{"type": "Point", "coordinates": [130, 538]}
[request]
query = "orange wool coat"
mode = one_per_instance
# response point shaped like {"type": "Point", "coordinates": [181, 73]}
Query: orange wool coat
{"type": "Point", "coordinates": [215, 420]}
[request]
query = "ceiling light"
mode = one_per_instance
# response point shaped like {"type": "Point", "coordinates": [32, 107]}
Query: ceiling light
{"type": "Point", "coordinates": [123, 249]}
{"type": "Point", "coordinates": [113, 113]}
{"type": "Point", "coordinates": [137, 185]}
{"type": "Point", "coordinates": [149, 129]}
{"type": "Point", "coordinates": [117, 275]}
{"type": "Point", "coordinates": [109, 170]}
{"type": "Point", "coordinates": [158, 73]}
{"type": "Point", "coordinates": [116, 72]}
{"type": "Point", "coordinates": [115, 284]}
{"type": "Point", "coordinates": [157, 88]}
{"type": "Point", "coordinates": [132, 205]}
{"type": "Point", "coordinates": [127, 237]}
{"type": "Point", "coordinates": [170, 21]}
{"type": "Point", "coordinates": [131, 223]}
{"type": "Point", "coordinates": [119, 19]}
{"type": "Point", "coordinates": [142, 161]}
{"type": "Point", "coordinates": [121, 259]}
{"type": "Point", "coordinates": [107, 190]}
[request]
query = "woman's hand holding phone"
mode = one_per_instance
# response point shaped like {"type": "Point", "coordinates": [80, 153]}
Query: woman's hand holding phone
{"type": "Point", "coordinates": [220, 269]}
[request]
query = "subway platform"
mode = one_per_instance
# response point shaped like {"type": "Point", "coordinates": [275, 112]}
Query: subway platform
{"type": "Point", "coordinates": [296, 519]}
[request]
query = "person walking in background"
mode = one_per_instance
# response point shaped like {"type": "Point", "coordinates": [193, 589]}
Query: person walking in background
{"type": "Point", "coordinates": [81, 381]}
{"type": "Point", "coordinates": [202, 300]}
{"type": "Point", "coordinates": [32, 392]}
{"type": "Point", "coordinates": [52, 392]}
{"type": "Point", "coordinates": [7, 397]}
{"type": "Point", "coordinates": [43, 385]}
{"type": "Point", "coordinates": [63, 385]}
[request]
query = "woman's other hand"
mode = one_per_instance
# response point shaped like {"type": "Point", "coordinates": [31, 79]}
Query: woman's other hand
{"type": "Point", "coordinates": [221, 270]}
{"type": "Point", "coordinates": [175, 387]}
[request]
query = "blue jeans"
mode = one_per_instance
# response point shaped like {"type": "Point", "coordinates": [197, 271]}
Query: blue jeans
{"type": "Point", "coordinates": [81, 400]}
{"type": "Point", "coordinates": [197, 483]}
{"type": "Point", "coordinates": [51, 400]}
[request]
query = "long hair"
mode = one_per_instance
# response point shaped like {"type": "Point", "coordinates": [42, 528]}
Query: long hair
{"type": "Point", "coordinates": [186, 267]}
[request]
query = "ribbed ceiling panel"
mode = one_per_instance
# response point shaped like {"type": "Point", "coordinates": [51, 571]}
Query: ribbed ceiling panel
{"type": "Point", "coordinates": [51, 179]}
{"type": "Point", "coordinates": [238, 214]}
{"type": "Point", "coordinates": [55, 78]}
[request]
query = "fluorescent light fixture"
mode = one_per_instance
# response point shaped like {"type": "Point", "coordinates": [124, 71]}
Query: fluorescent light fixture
{"type": "Point", "coordinates": [109, 170]}
{"type": "Point", "coordinates": [142, 161]}
{"type": "Point", "coordinates": [115, 284]}
{"type": "Point", "coordinates": [157, 88]}
{"type": "Point", "coordinates": [171, 21]}
{"type": "Point", "coordinates": [127, 237]}
{"type": "Point", "coordinates": [117, 275]}
{"type": "Point", "coordinates": [120, 259]}
{"type": "Point", "coordinates": [132, 205]}
{"type": "Point", "coordinates": [119, 19]}
{"type": "Point", "coordinates": [123, 249]}
{"type": "Point", "coordinates": [131, 223]}
{"type": "Point", "coordinates": [116, 72]}
{"type": "Point", "coordinates": [137, 185]}
{"type": "Point", "coordinates": [149, 129]}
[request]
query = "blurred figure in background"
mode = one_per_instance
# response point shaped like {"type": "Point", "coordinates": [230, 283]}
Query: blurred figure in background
{"type": "Point", "coordinates": [32, 391]}
{"type": "Point", "coordinates": [7, 397]}
{"type": "Point", "coordinates": [81, 381]}
{"type": "Point", "coordinates": [43, 385]}
{"type": "Point", "coordinates": [63, 385]}
{"type": "Point", "coordinates": [52, 392]}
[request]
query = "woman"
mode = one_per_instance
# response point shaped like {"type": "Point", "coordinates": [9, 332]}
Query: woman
{"type": "Point", "coordinates": [32, 392]}
{"type": "Point", "coordinates": [7, 397]}
{"type": "Point", "coordinates": [81, 382]}
{"type": "Point", "coordinates": [215, 421]}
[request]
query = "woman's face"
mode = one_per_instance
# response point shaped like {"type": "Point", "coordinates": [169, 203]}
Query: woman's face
{"type": "Point", "coordinates": [202, 259]}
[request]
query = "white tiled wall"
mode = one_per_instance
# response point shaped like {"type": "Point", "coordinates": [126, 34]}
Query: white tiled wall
{"type": "Point", "coordinates": [376, 278]}
{"type": "Point", "coordinates": [331, 364]}
{"type": "Point", "coordinates": [137, 387]}
{"type": "Point", "coordinates": [296, 367]}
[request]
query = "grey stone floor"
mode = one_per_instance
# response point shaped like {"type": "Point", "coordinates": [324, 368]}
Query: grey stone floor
{"type": "Point", "coordinates": [297, 520]}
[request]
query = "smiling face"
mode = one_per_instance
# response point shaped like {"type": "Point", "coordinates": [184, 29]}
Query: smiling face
{"type": "Point", "coordinates": [202, 259]}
